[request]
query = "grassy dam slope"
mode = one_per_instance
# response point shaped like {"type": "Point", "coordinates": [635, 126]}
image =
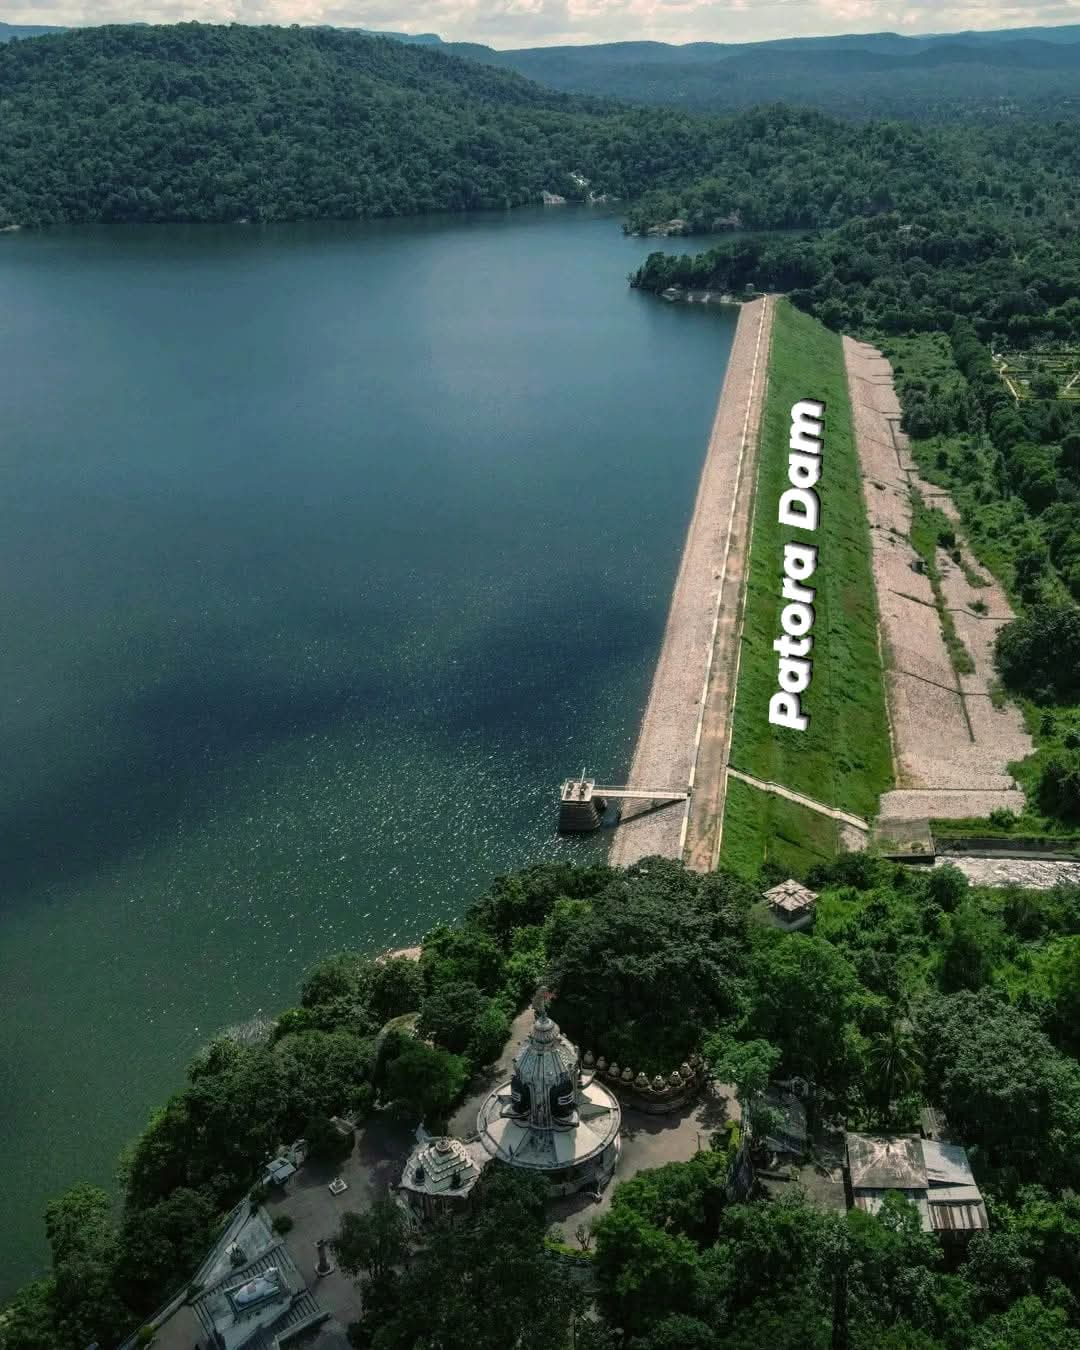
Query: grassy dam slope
{"type": "Point", "coordinates": [843, 758]}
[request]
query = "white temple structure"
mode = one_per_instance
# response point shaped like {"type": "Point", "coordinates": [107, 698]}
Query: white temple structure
{"type": "Point", "coordinates": [440, 1175]}
{"type": "Point", "coordinates": [551, 1117]}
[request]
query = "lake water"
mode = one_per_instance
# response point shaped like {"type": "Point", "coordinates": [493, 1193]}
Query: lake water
{"type": "Point", "coordinates": [326, 550]}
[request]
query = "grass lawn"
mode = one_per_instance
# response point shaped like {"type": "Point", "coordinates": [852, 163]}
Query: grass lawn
{"type": "Point", "coordinates": [843, 757]}
{"type": "Point", "coordinates": [760, 828]}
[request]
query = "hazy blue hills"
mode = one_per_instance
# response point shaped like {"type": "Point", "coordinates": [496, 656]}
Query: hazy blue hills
{"type": "Point", "coordinates": [1003, 74]}
{"type": "Point", "coordinates": [1030, 72]}
{"type": "Point", "coordinates": [10, 31]}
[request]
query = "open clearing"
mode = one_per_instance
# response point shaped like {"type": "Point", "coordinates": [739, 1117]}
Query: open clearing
{"type": "Point", "coordinates": [1019, 369]}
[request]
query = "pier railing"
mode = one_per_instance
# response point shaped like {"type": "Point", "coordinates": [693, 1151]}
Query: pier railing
{"type": "Point", "coordinates": [582, 801]}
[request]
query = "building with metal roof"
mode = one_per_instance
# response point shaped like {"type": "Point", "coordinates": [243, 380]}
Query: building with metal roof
{"type": "Point", "coordinates": [551, 1117]}
{"type": "Point", "coordinates": [935, 1176]}
{"type": "Point", "coordinates": [885, 1162]}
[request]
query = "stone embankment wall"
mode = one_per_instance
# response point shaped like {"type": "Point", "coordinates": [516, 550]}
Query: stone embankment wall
{"type": "Point", "coordinates": [701, 638]}
{"type": "Point", "coordinates": [951, 746]}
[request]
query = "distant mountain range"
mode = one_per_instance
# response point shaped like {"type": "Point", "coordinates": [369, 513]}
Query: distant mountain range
{"type": "Point", "coordinates": [1032, 71]}
{"type": "Point", "coordinates": [10, 31]}
{"type": "Point", "coordinates": [1003, 73]}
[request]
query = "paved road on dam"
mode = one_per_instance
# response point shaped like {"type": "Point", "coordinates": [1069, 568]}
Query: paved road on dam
{"type": "Point", "coordinates": [686, 731]}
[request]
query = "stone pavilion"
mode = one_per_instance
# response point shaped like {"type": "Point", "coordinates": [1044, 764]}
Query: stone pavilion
{"type": "Point", "coordinates": [791, 905]}
{"type": "Point", "coordinates": [440, 1175]}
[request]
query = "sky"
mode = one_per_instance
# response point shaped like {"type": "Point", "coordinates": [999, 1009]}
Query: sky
{"type": "Point", "coordinates": [534, 23]}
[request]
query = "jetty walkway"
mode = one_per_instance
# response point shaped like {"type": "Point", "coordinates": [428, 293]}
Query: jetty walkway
{"type": "Point", "coordinates": [685, 734]}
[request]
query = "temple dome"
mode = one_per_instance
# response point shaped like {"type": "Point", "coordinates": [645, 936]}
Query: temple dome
{"type": "Point", "coordinates": [547, 1118]}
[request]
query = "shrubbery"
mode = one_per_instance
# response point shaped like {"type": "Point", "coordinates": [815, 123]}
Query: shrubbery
{"type": "Point", "coordinates": [1038, 654]}
{"type": "Point", "coordinates": [1059, 785]}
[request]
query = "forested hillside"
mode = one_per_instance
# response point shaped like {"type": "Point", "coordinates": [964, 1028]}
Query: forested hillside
{"type": "Point", "coordinates": [198, 123]}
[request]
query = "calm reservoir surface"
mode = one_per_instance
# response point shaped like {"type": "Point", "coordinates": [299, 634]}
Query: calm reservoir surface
{"type": "Point", "coordinates": [327, 550]}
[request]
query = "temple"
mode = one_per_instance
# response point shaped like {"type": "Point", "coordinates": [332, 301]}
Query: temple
{"type": "Point", "coordinates": [440, 1176]}
{"type": "Point", "coordinates": [552, 1118]}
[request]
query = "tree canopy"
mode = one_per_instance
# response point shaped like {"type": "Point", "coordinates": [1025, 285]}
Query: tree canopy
{"type": "Point", "coordinates": [914, 987]}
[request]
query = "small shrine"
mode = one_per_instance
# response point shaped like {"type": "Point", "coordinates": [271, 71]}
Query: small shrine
{"type": "Point", "coordinates": [552, 1117]}
{"type": "Point", "coordinates": [791, 905]}
{"type": "Point", "coordinates": [440, 1175]}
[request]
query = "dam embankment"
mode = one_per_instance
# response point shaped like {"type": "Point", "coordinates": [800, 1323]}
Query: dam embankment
{"type": "Point", "coordinates": [686, 730]}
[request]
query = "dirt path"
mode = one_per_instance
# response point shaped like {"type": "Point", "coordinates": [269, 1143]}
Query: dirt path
{"type": "Point", "coordinates": [684, 733]}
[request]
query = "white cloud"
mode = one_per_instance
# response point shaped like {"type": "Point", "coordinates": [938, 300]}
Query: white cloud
{"type": "Point", "coordinates": [509, 23]}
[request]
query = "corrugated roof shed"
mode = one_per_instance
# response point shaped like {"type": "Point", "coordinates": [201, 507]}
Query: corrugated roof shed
{"type": "Point", "coordinates": [936, 1177]}
{"type": "Point", "coordinates": [958, 1209]}
{"type": "Point", "coordinates": [946, 1164]}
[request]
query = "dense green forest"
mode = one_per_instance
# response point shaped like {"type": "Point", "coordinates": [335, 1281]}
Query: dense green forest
{"type": "Point", "coordinates": [200, 123]}
{"type": "Point", "coordinates": [196, 123]}
{"type": "Point", "coordinates": [913, 988]}
{"type": "Point", "coordinates": [970, 77]}
{"type": "Point", "coordinates": [782, 168]}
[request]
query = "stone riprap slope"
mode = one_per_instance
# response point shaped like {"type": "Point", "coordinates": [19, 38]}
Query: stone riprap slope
{"type": "Point", "coordinates": [1032, 873]}
{"type": "Point", "coordinates": [702, 626]}
{"type": "Point", "coordinates": [951, 746]}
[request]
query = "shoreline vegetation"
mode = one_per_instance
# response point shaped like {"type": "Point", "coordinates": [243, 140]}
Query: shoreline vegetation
{"type": "Point", "coordinates": [913, 988]}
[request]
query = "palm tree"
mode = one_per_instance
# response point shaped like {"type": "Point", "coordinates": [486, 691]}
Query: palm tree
{"type": "Point", "coordinates": [894, 1065]}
